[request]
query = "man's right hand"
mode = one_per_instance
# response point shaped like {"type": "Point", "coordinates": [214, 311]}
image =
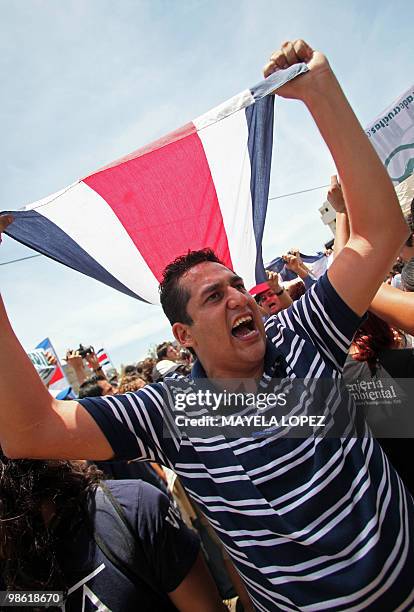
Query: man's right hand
{"type": "Point", "coordinates": [295, 52]}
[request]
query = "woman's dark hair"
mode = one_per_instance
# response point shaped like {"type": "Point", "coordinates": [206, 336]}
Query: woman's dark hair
{"type": "Point", "coordinates": [173, 295]}
{"type": "Point", "coordinates": [372, 337]}
{"type": "Point", "coordinates": [29, 545]}
{"type": "Point", "coordinates": [162, 350]}
{"type": "Point", "coordinates": [145, 367]}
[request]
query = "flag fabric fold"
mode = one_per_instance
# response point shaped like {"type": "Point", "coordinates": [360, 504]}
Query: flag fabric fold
{"type": "Point", "coordinates": [204, 185]}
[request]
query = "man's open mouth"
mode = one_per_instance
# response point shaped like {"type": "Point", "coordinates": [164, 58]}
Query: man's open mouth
{"type": "Point", "coordinates": [243, 327]}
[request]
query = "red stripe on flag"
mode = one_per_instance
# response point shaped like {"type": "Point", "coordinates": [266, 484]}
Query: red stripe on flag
{"type": "Point", "coordinates": [166, 200]}
{"type": "Point", "coordinates": [102, 357]}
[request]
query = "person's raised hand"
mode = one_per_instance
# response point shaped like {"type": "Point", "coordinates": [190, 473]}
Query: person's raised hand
{"type": "Point", "coordinates": [335, 196]}
{"type": "Point", "coordinates": [75, 360]}
{"type": "Point", "coordinates": [51, 359]}
{"type": "Point", "coordinates": [292, 262]}
{"type": "Point", "coordinates": [295, 52]}
{"type": "Point", "coordinates": [273, 280]}
{"type": "Point", "coordinates": [92, 361]}
{"type": "Point", "coordinates": [296, 253]}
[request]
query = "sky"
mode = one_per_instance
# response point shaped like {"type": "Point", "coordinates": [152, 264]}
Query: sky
{"type": "Point", "coordinates": [88, 81]}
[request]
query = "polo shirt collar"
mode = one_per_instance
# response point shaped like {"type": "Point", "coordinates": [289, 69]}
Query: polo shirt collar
{"type": "Point", "coordinates": [271, 366]}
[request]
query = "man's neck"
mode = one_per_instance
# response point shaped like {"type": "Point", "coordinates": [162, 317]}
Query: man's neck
{"type": "Point", "coordinates": [252, 373]}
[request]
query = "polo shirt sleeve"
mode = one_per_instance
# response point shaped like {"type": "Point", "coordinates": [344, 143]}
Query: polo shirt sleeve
{"type": "Point", "coordinates": [137, 425]}
{"type": "Point", "coordinates": [309, 281]}
{"type": "Point", "coordinates": [322, 317]}
{"type": "Point", "coordinates": [171, 548]}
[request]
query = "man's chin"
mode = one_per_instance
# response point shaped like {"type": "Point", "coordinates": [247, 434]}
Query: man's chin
{"type": "Point", "coordinates": [255, 349]}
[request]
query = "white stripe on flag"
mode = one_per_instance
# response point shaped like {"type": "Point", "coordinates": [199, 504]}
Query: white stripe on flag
{"type": "Point", "coordinates": [225, 146]}
{"type": "Point", "coordinates": [85, 216]}
{"type": "Point", "coordinates": [222, 111]}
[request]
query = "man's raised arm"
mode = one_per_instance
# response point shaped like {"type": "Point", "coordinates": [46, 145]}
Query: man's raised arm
{"type": "Point", "coordinates": [34, 424]}
{"type": "Point", "coordinates": [377, 227]}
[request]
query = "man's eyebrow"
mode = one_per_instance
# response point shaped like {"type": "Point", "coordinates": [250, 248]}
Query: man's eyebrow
{"type": "Point", "coordinates": [214, 286]}
{"type": "Point", "coordinates": [236, 279]}
{"type": "Point", "coordinates": [209, 288]}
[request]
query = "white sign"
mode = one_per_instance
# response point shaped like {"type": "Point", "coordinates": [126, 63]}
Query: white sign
{"type": "Point", "coordinates": [392, 135]}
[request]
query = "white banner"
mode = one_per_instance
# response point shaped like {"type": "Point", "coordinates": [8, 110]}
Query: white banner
{"type": "Point", "coordinates": [392, 134]}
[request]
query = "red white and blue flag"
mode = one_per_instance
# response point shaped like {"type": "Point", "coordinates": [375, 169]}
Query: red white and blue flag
{"type": "Point", "coordinates": [204, 185]}
{"type": "Point", "coordinates": [103, 358]}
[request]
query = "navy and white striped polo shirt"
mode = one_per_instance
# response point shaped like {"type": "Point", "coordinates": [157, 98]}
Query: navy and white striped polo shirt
{"type": "Point", "coordinates": [311, 524]}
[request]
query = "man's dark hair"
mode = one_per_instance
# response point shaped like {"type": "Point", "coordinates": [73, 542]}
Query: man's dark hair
{"type": "Point", "coordinates": [174, 297]}
{"type": "Point", "coordinates": [29, 548]}
{"type": "Point", "coordinates": [90, 387]}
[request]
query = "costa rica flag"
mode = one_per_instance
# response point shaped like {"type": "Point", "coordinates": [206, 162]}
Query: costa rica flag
{"type": "Point", "coordinates": [203, 185]}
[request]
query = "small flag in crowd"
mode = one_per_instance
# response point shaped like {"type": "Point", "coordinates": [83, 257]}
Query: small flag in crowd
{"type": "Point", "coordinates": [102, 357]}
{"type": "Point", "coordinates": [58, 380]}
{"type": "Point", "coordinates": [204, 185]}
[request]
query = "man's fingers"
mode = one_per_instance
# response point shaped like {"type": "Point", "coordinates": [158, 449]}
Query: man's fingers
{"type": "Point", "coordinates": [290, 53]}
{"type": "Point", "coordinates": [303, 51]}
{"type": "Point", "coordinates": [279, 59]}
{"type": "Point", "coordinates": [334, 181]}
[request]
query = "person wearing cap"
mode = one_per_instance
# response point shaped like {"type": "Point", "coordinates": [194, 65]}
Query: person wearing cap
{"type": "Point", "coordinates": [271, 295]}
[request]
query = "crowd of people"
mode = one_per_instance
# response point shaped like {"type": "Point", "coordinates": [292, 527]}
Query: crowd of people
{"type": "Point", "coordinates": [110, 495]}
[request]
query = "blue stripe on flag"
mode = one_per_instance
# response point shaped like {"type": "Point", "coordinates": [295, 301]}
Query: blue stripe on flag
{"type": "Point", "coordinates": [260, 142]}
{"type": "Point", "coordinates": [34, 231]}
{"type": "Point", "coordinates": [259, 117]}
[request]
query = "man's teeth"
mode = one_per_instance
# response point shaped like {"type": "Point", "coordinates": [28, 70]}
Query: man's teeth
{"type": "Point", "coordinates": [238, 322]}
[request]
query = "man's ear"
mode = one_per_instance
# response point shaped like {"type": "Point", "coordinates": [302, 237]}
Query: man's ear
{"type": "Point", "coordinates": [182, 333]}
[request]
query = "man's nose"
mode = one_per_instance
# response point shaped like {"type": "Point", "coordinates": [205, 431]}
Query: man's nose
{"type": "Point", "coordinates": [236, 298]}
